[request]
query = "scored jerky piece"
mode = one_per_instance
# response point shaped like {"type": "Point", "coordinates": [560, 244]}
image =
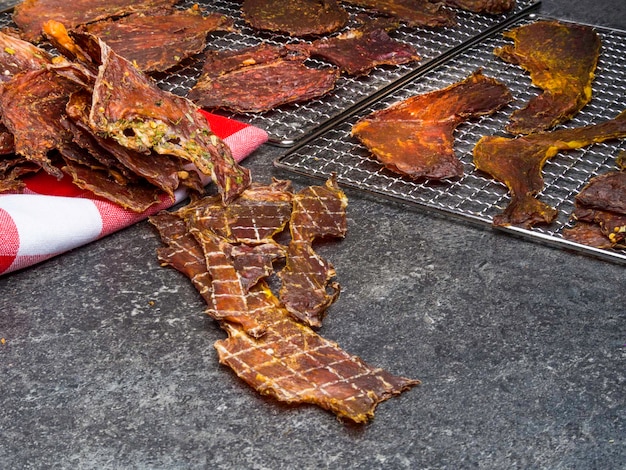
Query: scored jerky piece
{"type": "Point", "coordinates": [306, 288]}
{"type": "Point", "coordinates": [293, 364]}
{"type": "Point", "coordinates": [295, 17]}
{"type": "Point", "coordinates": [518, 162]}
{"type": "Point", "coordinates": [255, 217]}
{"type": "Point", "coordinates": [33, 104]}
{"type": "Point", "coordinates": [358, 51]}
{"type": "Point", "coordinates": [410, 12]}
{"type": "Point", "coordinates": [561, 59]}
{"type": "Point", "coordinates": [30, 15]}
{"type": "Point", "coordinates": [491, 7]}
{"type": "Point", "coordinates": [140, 116]}
{"type": "Point", "coordinates": [254, 263]}
{"type": "Point", "coordinates": [415, 137]}
{"type": "Point", "coordinates": [258, 79]}
{"type": "Point", "coordinates": [159, 40]}
{"type": "Point", "coordinates": [18, 56]}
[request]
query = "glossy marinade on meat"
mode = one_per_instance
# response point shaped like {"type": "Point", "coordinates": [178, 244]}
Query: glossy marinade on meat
{"type": "Point", "coordinates": [420, 13]}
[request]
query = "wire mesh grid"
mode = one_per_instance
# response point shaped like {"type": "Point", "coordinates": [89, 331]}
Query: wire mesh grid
{"type": "Point", "coordinates": [475, 196]}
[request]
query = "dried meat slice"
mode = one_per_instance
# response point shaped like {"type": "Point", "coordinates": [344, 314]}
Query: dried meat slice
{"type": "Point", "coordinates": [30, 15]}
{"type": "Point", "coordinates": [293, 364]}
{"type": "Point", "coordinates": [157, 41]}
{"type": "Point", "coordinates": [295, 17]}
{"type": "Point", "coordinates": [255, 217]}
{"type": "Point", "coordinates": [130, 108]}
{"type": "Point", "coordinates": [518, 163]}
{"type": "Point", "coordinates": [33, 105]}
{"type": "Point", "coordinates": [561, 59]}
{"type": "Point", "coordinates": [410, 12]}
{"type": "Point", "coordinates": [490, 7]}
{"type": "Point", "coordinates": [357, 51]}
{"type": "Point", "coordinates": [259, 78]}
{"type": "Point", "coordinates": [18, 56]}
{"type": "Point", "coordinates": [415, 137]}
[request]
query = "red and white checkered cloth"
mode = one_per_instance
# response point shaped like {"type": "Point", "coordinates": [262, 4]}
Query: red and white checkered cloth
{"type": "Point", "coordinates": [51, 217]}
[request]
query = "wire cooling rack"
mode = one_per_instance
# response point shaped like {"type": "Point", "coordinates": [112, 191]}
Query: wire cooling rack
{"type": "Point", "coordinates": [476, 197]}
{"type": "Point", "coordinates": [291, 124]}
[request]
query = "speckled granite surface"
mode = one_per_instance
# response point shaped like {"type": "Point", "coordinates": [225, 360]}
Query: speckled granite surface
{"type": "Point", "coordinates": [108, 359]}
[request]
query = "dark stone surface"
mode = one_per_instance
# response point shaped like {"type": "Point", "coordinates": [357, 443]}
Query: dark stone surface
{"type": "Point", "coordinates": [108, 359]}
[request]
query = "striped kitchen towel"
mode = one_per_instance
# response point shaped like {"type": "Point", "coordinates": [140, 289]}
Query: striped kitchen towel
{"type": "Point", "coordinates": [53, 216]}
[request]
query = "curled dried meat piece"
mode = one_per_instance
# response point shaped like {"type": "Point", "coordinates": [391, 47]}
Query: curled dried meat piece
{"type": "Point", "coordinates": [18, 56]}
{"type": "Point", "coordinates": [358, 51]}
{"type": "Point", "coordinates": [295, 17]}
{"type": "Point", "coordinates": [518, 163]}
{"type": "Point", "coordinates": [561, 59]}
{"type": "Point", "coordinates": [30, 15]}
{"type": "Point", "coordinates": [293, 364]}
{"type": "Point", "coordinates": [410, 12]}
{"type": "Point", "coordinates": [140, 116]}
{"type": "Point", "coordinates": [157, 41]}
{"type": "Point", "coordinates": [491, 7]}
{"type": "Point", "coordinates": [259, 78]}
{"type": "Point", "coordinates": [415, 137]}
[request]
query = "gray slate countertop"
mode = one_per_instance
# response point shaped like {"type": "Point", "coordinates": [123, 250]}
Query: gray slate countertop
{"type": "Point", "coordinates": [108, 360]}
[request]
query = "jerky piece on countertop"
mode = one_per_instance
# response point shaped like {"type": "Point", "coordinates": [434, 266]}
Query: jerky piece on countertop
{"type": "Point", "coordinates": [415, 137]}
{"type": "Point", "coordinates": [491, 7]}
{"type": "Point", "coordinates": [358, 51]}
{"type": "Point", "coordinates": [157, 41]}
{"type": "Point", "coordinates": [295, 17]}
{"type": "Point", "coordinates": [254, 262]}
{"type": "Point", "coordinates": [30, 15]}
{"type": "Point", "coordinates": [33, 104]}
{"type": "Point", "coordinates": [307, 289]}
{"type": "Point", "coordinates": [561, 59]}
{"type": "Point", "coordinates": [259, 78]}
{"type": "Point", "coordinates": [319, 212]}
{"type": "Point", "coordinates": [293, 364]}
{"type": "Point", "coordinates": [18, 56]}
{"type": "Point", "coordinates": [410, 12]}
{"type": "Point", "coordinates": [518, 163]}
{"type": "Point", "coordinates": [129, 107]}
{"type": "Point", "coordinates": [255, 217]}
{"type": "Point", "coordinates": [182, 252]}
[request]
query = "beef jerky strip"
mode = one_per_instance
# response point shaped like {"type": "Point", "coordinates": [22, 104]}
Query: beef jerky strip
{"type": "Point", "coordinates": [130, 108]}
{"type": "Point", "coordinates": [293, 364]}
{"type": "Point", "coordinates": [18, 56]}
{"type": "Point", "coordinates": [561, 59]}
{"type": "Point", "coordinates": [33, 104]}
{"type": "Point", "coordinates": [415, 137]}
{"type": "Point", "coordinates": [306, 288]}
{"type": "Point", "coordinates": [30, 15]}
{"type": "Point", "coordinates": [157, 41]}
{"type": "Point", "coordinates": [358, 51]}
{"type": "Point", "coordinates": [258, 79]}
{"type": "Point", "coordinates": [491, 7]}
{"type": "Point", "coordinates": [518, 164]}
{"type": "Point", "coordinates": [410, 12]}
{"type": "Point", "coordinates": [255, 217]}
{"type": "Point", "coordinates": [295, 17]}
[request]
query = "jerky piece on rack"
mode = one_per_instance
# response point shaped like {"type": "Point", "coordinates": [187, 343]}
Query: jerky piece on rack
{"type": "Point", "coordinates": [30, 15]}
{"type": "Point", "coordinates": [600, 212]}
{"type": "Point", "coordinates": [415, 137]}
{"type": "Point", "coordinates": [306, 288]}
{"type": "Point", "coordinates": [255, 217]}
{"type": "Point", "coordinates": [358, 51]}
{"type": "Point", "coordinates": [259, 78]}
{"type": "Point", "coordinates": [33, 105]}
{"type": "Point", "coordinates": [561, 59]}
{"type": "Point", "coordinates": [157, 41]}
{"type": "Point", "coordinates": [295, 17]}
{"type": "Point", "coordinates": [18, 56]}
{"type": "Point", "coordinates": [491, 7]}
{"type": "Point", "coordinates": [130, 108]}
{"type": "Point", "coordinates": [293, 364]}
{"type": "Point", "coordinates": [518, 163]}
{"type": "Point", "coordinates": [410, 12]}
